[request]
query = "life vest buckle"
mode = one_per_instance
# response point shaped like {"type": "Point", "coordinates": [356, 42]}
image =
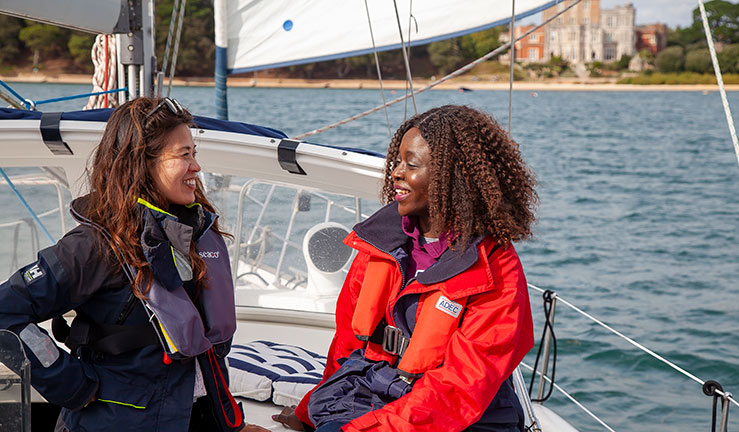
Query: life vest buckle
{"type": "Point", "coordinates": [394, 341]}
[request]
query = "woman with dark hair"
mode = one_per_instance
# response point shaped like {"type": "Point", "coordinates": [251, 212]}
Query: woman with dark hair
{"type": "Point", "coordinates": [148, 276]}
{"type": "Point", "coordinates": [434, 314]}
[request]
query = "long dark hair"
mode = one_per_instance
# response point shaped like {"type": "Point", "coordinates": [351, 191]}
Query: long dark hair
{"type": "Point", "coordinates": [121, 173]}
{"type": "Point", "coordinates": [479, 182]}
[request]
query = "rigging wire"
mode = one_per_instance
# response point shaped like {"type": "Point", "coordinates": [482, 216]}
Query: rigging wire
{"type": "Point", "coordinates": [411, 20]}
{"type": "Point", "coordinates": [635, 343]}
{"type": "Point", "coordinates": [570, 397]}
{"type": "Point", "coordinates": [170, 34]}
{"type": "Point", "coordinates": [447, 77]}
{"type": "Point", "coordinates": [719, 79]}
{"type": "Point", "coordinates": [405, 58]}
{"type": "Point", "coordinates": [176, 46]}
{"type": "Point", "coordinates": [379, 72]}
{"type": "Point", "coordinates": [25, 204]}
{"type": "Point", "coordinates": [512, 57]}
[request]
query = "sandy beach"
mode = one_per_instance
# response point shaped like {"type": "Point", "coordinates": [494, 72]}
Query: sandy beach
{"type": "Point", "coordinates": [469, 83]}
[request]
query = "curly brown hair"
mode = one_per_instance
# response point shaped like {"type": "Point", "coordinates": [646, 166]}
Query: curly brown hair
{"type": "Point", "coordinates": [479, 182]}
{"type": "Point", "coordinates": [121, 172]}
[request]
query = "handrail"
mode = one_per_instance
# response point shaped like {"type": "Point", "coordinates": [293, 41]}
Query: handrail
{"type": "Point", "coordinates": [726, 395]}
{"type": "Point", "coordinates": [571, 398]}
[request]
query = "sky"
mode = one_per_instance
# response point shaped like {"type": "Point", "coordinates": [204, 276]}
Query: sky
{"type": "Point", "coordinates": [670, 12]}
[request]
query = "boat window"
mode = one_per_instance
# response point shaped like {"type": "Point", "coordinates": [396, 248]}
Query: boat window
{"type": "Point", "coordinates": [288, 250]}
{"type": "Point", "coordinates": [45, 192]}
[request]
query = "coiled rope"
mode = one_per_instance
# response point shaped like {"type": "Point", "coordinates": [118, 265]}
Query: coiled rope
{"type": "Point", "coordinates": [104, 77]}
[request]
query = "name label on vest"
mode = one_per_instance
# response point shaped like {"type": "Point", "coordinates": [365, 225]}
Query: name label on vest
{"type": "Point", "coordinates": [209, 254]}
{"type": "Point", "coordinates": [448, 307]}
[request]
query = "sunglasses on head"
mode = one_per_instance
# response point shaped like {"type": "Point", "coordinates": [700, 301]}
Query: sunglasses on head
{"type": "Point", "coordinates": [170, 103]}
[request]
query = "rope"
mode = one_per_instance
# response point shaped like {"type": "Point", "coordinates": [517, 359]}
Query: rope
{"type": "Point", "coordinates": [103, 55]}
{"type": "Point", "coordinates": [548, 299]}
{"type": "Point", "coordinates": [405, 57]}
{"type": "Point", "coordinates": [9, 99]}
{"type": "Point", "coordinates": [379, 72]}
{"type": "Point", "coordinates": [634, 343]}
{"type": "Point", "coordinates": [176, 46]}
{"type": "Point", "coordinates": [84, 95]}
{"type": "Point", "coordinates": [512, 56]}
{"type": "Point", "coordinates": [719, 79]}
{"type": "Point", "coordinates": [572, 399]}
{"type": "Point", "coordinates": [25, 204]}
{"type": "Point", "coordinates": [454, 74]}
{"type": "Point", "coordinates": [23, 100]}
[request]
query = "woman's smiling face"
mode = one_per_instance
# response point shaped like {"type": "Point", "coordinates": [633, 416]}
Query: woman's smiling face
{"type": "Point", "coordinates": [175, 170]}
{"type": "Point", "coordinates": [411, 178]}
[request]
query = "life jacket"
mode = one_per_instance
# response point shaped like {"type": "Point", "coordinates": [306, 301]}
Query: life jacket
{"type": "Point", "coordinates": [173, 314]}
{"type": "Point", "coordinates": [438, 318]}
{"type": "Point", "coordinates": [175, 319]}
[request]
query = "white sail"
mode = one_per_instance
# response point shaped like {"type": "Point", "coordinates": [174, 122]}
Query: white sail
{"type": "Point", "coordinates": [265, 34]}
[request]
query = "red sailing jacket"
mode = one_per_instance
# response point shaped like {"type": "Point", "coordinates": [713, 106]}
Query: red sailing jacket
{"type": "Point", "coordinates": [495, 333]}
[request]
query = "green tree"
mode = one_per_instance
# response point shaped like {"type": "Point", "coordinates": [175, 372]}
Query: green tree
{"type": "Point", "coordinates": [728, 58]}
{"type": "Point", "coordinates": [623, 62]}
{"type": "Point", "coordinates": [80, 46]}
{"type": "Point", "coordinates": [10, 45]}
{"type": "Point", "coordinates": [671, 59]}
{"type": "Point", "coordinates": [196, 54]}
{"type": "Point", "coordinates": [446, 55]}
{"type": "Point", "coordinates": [47, 40]}
{"type": "Point", "coordinates": [723, 19]}
{"type": "Point", "coordinates": [698, 61]}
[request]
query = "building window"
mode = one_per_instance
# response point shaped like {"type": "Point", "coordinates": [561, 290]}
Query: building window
{"type": "Point", "coordinates": [586, 21]}
{"type": "Point", "coordinates": [573, 54]}
{"type": "Point", "coordinates": [586, 4]}
{"type": "Point", "coordinates": [534, 37]}
{"type": "Point", "coordinates": [609, 21]}
{"type": "Point", "coordinates": [572, 20]}
{"type": "Point", "coordinates": [610, 53]}
{"type": "Point", "coordinates": [553, 37]}
{"type": "Point", "coordinates": [572, 36]}
{"type": "Point", "coordinates": [533, 54]}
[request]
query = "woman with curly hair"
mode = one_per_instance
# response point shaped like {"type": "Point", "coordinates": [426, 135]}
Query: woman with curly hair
{"type": "Point", "coordinates": [148, 250]}
{"type": "Point", "coordinates": [434, 314]}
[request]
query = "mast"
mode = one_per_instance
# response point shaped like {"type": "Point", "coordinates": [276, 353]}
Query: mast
{"type": "Point", "coordinates": [220, 15]}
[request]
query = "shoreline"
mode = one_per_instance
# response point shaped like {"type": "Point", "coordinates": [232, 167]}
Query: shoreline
{"type": "Point", "coordinates": [459, 84]}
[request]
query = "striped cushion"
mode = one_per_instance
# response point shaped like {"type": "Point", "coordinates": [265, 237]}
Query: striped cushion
{"type": "Point", "coordinates": [262, 370]}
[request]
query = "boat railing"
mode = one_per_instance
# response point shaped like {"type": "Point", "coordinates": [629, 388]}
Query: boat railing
{"type": "Point", "coordinates": [709, 388]}
{"type": "Point", "coordinates": [260, 231]}
{"type": "Point", "coordinates": [34, 242]}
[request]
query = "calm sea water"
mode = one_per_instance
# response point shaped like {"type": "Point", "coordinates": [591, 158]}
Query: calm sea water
{"type": "Point", "coordinates": [638, 225]}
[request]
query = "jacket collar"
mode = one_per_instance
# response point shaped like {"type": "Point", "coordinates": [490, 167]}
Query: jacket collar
{"type": "Point", "coordinates": [384, 231]}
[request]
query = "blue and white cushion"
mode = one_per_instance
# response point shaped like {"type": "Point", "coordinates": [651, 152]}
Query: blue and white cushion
{"type": "Point", "coordinates": [262, 370]}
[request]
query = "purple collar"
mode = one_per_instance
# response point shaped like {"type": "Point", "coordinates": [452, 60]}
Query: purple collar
{"type": "Point", "coordinates": [434, 248]}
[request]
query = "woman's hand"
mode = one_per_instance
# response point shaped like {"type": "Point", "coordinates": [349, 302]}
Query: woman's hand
{"type": "Point", "coordinates": [253, 428]}
{"type": "Point", "coordinates": [288, 418]}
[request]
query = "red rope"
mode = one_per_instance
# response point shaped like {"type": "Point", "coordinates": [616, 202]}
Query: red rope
{"type": "Point", "coordinates": [237, 411]}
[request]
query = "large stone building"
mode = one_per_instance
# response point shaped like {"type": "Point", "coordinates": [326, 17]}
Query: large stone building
{"type": "Point", "coordinates": [587, 33]}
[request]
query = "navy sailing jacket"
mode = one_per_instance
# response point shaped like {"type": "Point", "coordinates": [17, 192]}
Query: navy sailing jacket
{"type": "Point", "coordinates": [135, 391]}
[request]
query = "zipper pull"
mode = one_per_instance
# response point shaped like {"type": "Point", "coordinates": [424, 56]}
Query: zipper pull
{"type": "Point", "coordinates": [166, 359]}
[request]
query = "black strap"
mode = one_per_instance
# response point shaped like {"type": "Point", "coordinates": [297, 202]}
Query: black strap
{"type": "Point", "coordinates": [110, 339]}
{"type": "Point", "coordinates": [51, 135]}
{"type": "Point", "coordinates": [286, 156]}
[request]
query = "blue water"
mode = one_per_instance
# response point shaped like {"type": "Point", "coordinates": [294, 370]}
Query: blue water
{"type": "Point", "coordinates": [638, 225]}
